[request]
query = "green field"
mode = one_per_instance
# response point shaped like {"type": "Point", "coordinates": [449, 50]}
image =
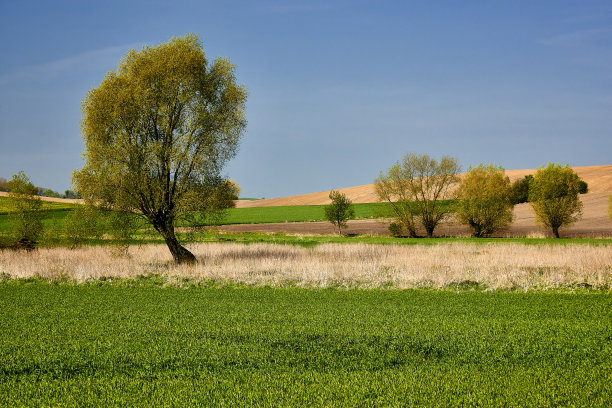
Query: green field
{"type": "Point", "coordinates": [55, 213]}
{"type": "Point", "coordinates": [135, 344]}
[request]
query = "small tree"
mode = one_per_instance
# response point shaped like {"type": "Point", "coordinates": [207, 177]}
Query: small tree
{"type": "Point", "coordinates": [485, 200]}
{"type": "Point", "coordinates": [554, 197]}
{"type": "Point", "coordinates": [415, 186]}
{"type": "Point", "coordinates": [24, 210]}
{"type": "Point", "coordinates": [339, 211]}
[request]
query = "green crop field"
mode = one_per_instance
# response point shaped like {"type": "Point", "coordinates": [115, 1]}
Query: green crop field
{"type": "Point", "coordinates": [55, 213]}
{"type": "Point", "coordinates": [131, 343]}
{"type": "Point", "coordinates": [46, 205]}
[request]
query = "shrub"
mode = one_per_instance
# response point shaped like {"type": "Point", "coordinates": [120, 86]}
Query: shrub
{"type": "Point", "coordinates": [83, 223]}
{"type": "Point", "coordinates": [395, 228]}
{"type": "Point", "coordinates": [25, 214]}
{"type": "Point", "coordinates": [520, 190]}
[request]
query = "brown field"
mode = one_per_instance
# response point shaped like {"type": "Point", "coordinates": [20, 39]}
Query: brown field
{"type": "Point", "coordinates": [52, 199]}
{"type": "Point", "coordinates": [494, 266]}
{"type": "Point", "coordinates": [594, 223]}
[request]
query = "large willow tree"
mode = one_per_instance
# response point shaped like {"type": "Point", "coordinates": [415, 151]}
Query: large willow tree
{"type": "Point", "coordinates": [158, 131]}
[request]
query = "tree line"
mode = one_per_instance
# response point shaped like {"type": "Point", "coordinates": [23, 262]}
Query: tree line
{"type": "Point", "coordinates": [484, 198]}
{"type": "Point", "coordinates": [40, 191]}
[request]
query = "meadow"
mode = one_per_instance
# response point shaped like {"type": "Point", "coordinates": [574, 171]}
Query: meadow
{"type": "Point", "coordinates": [138, 344]}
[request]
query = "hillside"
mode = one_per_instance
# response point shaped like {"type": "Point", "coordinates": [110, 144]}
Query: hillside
{"type": "Point", "coordinates": [594, 222]}
{"type": "Point", "coordinates": [599, 179]}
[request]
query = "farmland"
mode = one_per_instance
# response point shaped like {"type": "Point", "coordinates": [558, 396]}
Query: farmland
{"type": "Point", "coordinates": [135, 343]}
{"type": "Point", "coordinates": [292, 318]}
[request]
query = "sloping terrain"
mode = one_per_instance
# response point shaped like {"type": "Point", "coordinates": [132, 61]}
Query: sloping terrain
{"type": "Point", "coordinates": [599, 179]}
{"type": "Point", "coordinates": [594, 222]}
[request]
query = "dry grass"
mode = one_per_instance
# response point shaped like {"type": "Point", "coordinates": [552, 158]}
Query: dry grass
{"type": "Point", "coordinates": [494, 266]}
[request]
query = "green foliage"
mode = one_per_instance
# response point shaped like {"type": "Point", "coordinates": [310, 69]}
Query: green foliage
{"type": "Point", "coordinates": [83, 223]}
{"type": "Point", "coordinates": [4, 184]}
{"type": "Point", "coordinates": [520, 190]}
{"type": "Point", "coordinates": [485, 200]}
{"type": "Point", "coordinates": [421, 180]}
{"type": "Point", "coordinates": [339, 211]}
{"type": "Point", "coordinates": [395, 228]}
{"type": "Point", "coordinates": [158, 132]}
{"type": "Point", "coordinates": [583, 187]}
{"type": "Point", "coordinates": [132, 343]}
{"type": "Point", "coordinates": [25, 215]}
{"type": "Point", "coordinates": [554, 197]}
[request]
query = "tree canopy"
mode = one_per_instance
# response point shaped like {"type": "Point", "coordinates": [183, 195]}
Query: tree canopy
{"type": "Point", "coordinates": [158, 131]}
{"type": "Point", "coordinates": [485, 200]}
{"type": "Point", "coordinates": [553, 196]}
{"type": "Point", "coordinates": [422, 180]}
{"type": "Point", "coordinates": [339, 211]}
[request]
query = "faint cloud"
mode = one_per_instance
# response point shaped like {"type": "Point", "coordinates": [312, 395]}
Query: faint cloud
{"type": "Point", "coordinates": [583, 38]}
{"type": "Point", "coordinates": [80, 62]}
{"type": "Point", "coordinates": [592, 47]}
{"type": "Point", "coordinates": [290, 7]}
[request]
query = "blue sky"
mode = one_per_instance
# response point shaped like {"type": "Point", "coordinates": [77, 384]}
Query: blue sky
{"type": "Point", "coordinates": [338, 90]}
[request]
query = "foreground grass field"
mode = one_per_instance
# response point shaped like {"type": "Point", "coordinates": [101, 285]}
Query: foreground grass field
{"type": "Point", "coordinates": [135, 344]}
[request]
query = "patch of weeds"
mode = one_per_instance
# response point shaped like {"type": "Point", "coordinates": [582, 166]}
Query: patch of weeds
{"type": "Point", "coordinates": [465, 285]}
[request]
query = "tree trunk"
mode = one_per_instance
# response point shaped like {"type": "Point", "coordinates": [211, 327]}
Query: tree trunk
{"type": "Point", "coordinates": [179, 252]}
{"type": "Point", "coordinates": [556, 232]}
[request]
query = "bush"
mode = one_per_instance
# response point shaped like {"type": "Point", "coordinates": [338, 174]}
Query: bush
{"type": "Point", "coordinates": [583, 187]}
{"type": "Point", "coordinates": [81, 224]}
{"type": "Point", "coordinates": [25, 214]}
{"type": "Point", "coordinates": [395, 228]}
{"type": "Point", "coordinates": [520, 190]}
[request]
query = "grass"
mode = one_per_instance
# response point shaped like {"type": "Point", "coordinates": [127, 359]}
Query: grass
{"type": "Point", "coordinates": [132, 343]}
{"type": "Point", "coordinates": [449, 265]}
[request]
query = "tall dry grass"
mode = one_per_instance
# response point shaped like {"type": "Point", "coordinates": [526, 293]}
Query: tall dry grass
{"type": "Point", "coordinates": [494, 266]}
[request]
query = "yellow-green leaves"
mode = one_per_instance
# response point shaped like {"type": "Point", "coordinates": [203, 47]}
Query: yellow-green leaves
{"type": "Point", "coordinates": [553, 196]}
{"type": "Point", "coordinates": [159, 129]}
{"type": "Point", "coordinates": [485, 200]}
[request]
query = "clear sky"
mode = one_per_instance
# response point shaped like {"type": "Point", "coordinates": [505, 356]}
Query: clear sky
{"type": "Point", "coordinates": [338, 90]}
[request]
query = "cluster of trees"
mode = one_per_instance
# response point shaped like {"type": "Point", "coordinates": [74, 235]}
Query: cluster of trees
{"type": "Point", "coordinates": [416, 187]}
{"type": "Point", "coordinates": [25, 216]}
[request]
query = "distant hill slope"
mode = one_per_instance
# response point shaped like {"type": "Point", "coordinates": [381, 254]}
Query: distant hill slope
{"type": "Point", "coordinates": [599, 179]}
{"type": "Point", "coordinates": [52, 199]}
